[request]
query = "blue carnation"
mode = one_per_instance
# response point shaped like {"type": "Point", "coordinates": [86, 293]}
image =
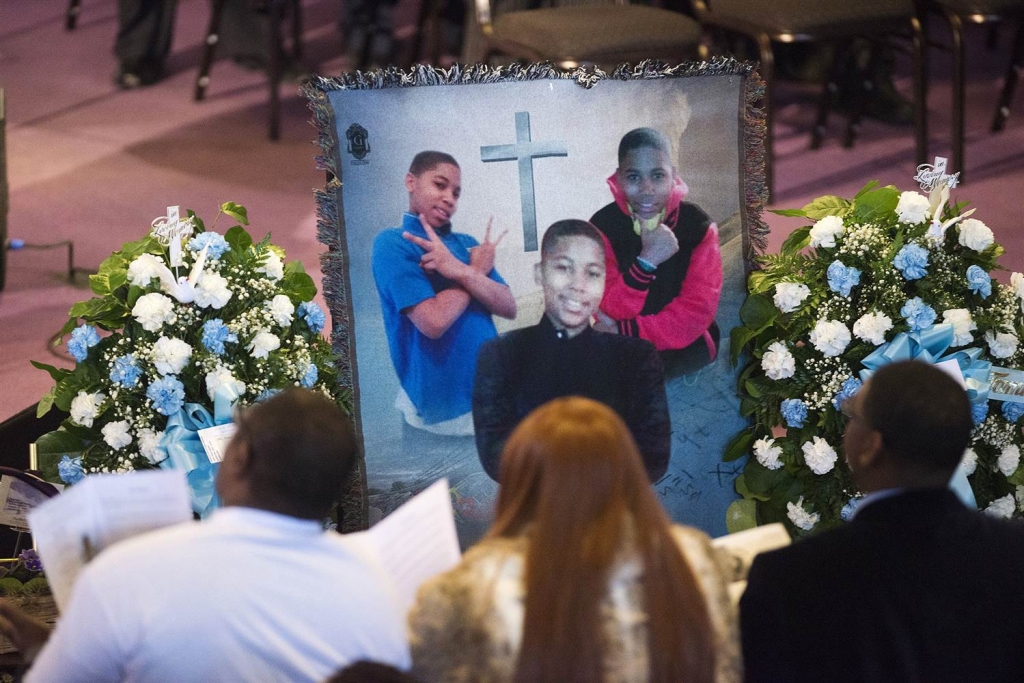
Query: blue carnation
{"type": "Point", "coordinates": [979, 411]}
{"type": "Point", "coordinates": [266, 394]}
{"type": "Point", "coordinates": [794, 412]}
{"type": "Point", "coordinates": [167, 395]}
{"type": "Point", "coordinates": [979, 281]}
{"type": "Point", "coordinates": [842, 279]}
{"type": "Point", "coordinates": [126, 371]}
{"type": "Point", "coordinates": [218, 245]}
{"type": "Point", "coordinates": [1012, 411]}
{"type": "Point", "coordinates": [309, 379]}
{"type": "Point", "coordinates": [70, 470]}
{"type": "Point", "coordinates": [847, 512]}
{"type": "Point", "coordinates": [82, 338]}
{"type": "Point", "coordinates": [849, 389]}
{"type": "Point", "coordinates": [216, 334]}
{"type": "Point", "coordinates": [912, 261]}
{"type": "Point", "coordinates": [313, 316]}
{"type": "Point", "coordinates": [918, 314]}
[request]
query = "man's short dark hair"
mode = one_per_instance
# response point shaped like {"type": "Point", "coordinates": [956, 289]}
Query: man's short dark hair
{"type": "Point", "coordinates": [302, 448]}
{"type": "Point", "coordinates": [429, 159]}
{"type": "Point", "coordinates": [643, 137]}
{"type": "Point", "coordinates": [922, 413]}
{"type": "Point", "coordinates": [570, 227]}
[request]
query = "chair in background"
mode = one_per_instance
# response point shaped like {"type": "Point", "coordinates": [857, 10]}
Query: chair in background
{"type": "Point", "coordinates": [576, 34]}
{"type": "Point", "coordinates": [958, 14]}
{"type": "Point", "coordinates": [71, 16]}
{"type": "Point", "coordinates": [835, 23]}
{"type": "Point", "coordinates": [278, 11]}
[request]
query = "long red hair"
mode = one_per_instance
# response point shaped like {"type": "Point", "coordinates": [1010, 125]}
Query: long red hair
{"type": "Point", "coordinates": [572, 479]}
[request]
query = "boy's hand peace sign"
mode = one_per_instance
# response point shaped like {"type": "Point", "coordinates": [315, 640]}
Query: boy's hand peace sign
{"type": "Point", "coordinates": [436, 257]}
{"type": "Point", "coordinates": [482, 257]}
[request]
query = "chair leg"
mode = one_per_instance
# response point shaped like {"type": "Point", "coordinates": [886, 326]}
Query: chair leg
{"type": "Point", "coordinates": [274, 69]}
{"type": "Point", "coordinates": [920, 48]}
{"type": "Point", "coordinates": [865, 84]}
{"type": "Point", "coordinates": [764, 45]}
{"type": "Point", "coordinates": [71, 19]}
{"type": "Point", "coordinates": [212, 38]}
{"type": "Point", "coordinates": [1010, 81]}
{"type": "Point", "coordinates": [958, 162]}
{"type": "Point", "coordinates": [297, 29]}
{"type": "Point", "coordinates": [828, 90]}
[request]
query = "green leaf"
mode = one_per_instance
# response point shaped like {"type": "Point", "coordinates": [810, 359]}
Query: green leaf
{"type": "Point", "coordinates": [876, 204]}
{"type": "Point", "coordinates": [758, 311]}
{"type": "Point", "coordinates": [797, 240]}
{"type": "Point", "coordinates": [68, 327]}
{"type": "Point", "coordinates": [758, 282]}
{"type": "Point", "coordinates": [134, 292]}
{"type": "Point", "coordinates": [760, 479]}
{"type": "Point", "coordinates": [57, 374]}
{"type": "Point", "coordinates": [299, 286]}
{"type": "Point", "coordinates": [238, 238]}
{"type": "Point", "coordinates": [104, 284]}
{"type": "Point", "coordinates": [60, 441]}
{"type": "Point", "coordinates": [197, 220]}
{"type": "Point", "coordinates": [45, 403]}
{"type": "Point", "coordinates": [792, 213]}
{"type": "Point", "coordinates": [829, 205]}
{"type": "Point", "coordinates": [872, 184]}
{"type": "Point", "coordinates": [752, 388]}
{"type": "Point", "coordinates": [738, 338]}
{"type": "Point", "coordinates": [739, 445]}
{"type": "Point", "coordinates": [146, 245]}
{"type": "Point", "coordinates": [236, 211]}
{"type": "Point", "coordinates": [741, 515]}
{"type": "Point", "coordinates": [741, 488]}
{"type": "Point", "coordinates": [293, 267]}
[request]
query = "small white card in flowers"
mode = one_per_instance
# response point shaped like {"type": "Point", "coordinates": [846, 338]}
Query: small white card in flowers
{"type": "Point", "coordinates": [215, 440]}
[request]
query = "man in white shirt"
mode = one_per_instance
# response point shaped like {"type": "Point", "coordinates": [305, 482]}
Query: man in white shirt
{"type": "Point", "coordinates": [257, 592]}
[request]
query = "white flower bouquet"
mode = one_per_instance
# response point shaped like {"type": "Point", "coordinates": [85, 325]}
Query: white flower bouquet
{"type": "Point", "coordinates": [884, 276]}
{"type": "Point", "coordinates": [184, 324]}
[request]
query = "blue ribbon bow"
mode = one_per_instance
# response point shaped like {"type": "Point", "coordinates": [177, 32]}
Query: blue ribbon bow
{"type": "Point", "coordinates": [185, 451]}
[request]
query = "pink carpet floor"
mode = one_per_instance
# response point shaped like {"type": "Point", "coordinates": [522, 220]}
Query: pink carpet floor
{"type": "Point", "coordinates": [93, 164]}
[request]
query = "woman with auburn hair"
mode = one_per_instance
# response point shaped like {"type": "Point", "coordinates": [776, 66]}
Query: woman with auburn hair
{"type": "Point", "coordinates": [582, 578]}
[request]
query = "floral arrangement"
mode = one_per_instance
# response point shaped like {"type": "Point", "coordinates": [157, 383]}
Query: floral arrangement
{"type": "Point", "coordinates": [184, 323]}
{"type": "Point", "coordinates": [24, 577]}
{"type": "Point", "coordinates": [884, 276]}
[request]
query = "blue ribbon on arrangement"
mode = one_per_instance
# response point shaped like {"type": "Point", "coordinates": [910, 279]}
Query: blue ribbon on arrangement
{"type": "Point", "coordinates": [185, 451]}
{"type": "Point", "coordinates": [928, 346]}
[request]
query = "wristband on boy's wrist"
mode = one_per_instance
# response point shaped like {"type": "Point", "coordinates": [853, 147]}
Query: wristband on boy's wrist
{"type": "Point", "coordinates": [646, 265]}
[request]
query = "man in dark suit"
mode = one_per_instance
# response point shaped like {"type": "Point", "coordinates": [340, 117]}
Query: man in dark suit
{"type": "Point", "coordinates": [916, 588]}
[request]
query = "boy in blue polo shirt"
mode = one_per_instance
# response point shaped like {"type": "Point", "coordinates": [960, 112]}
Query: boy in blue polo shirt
{"type": "Point", "coordinates": [438, 289]}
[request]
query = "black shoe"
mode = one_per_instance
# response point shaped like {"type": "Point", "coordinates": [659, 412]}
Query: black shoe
{"type": "Point", "coordinates": [131, 77]}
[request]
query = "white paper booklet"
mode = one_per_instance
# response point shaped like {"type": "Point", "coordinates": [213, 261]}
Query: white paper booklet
{"type": "Point", "coordinates": [417, 541]}
{"type": "Point", "coordinates": [737, 552]}
{"type": "Point", "coordinates": [71, 528]}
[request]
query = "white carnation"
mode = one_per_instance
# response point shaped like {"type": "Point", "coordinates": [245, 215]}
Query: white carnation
{"type": "Point", "coordinates": [825, 231]}
{"type": "Point", "coordinates": [1017, 282]}
{"type": "Point", "coordinates": [282, 310]}
{"type": "Point", "coordinates": [263, 343]}
{"type": "Point", "coordinates": [143, 269]}
{"type": "Point", "coordinates": [819, 456]}
{"type": "Point", "coordinates": [975, 235]}
{"type": "Point", "coordinates": [1001, 344]}
{"type": "Point", "coordinates": [969, 462]}
{"type": "Point", "coordinates": [152, 311]}
{"type": "Point", "coordinates": [116, 434]}
{"type": "Point", "coordinates": [767, 453]}
{"type": "Point", "coordinates": [273, 268]}
{"type": "Point", "coordinates": [871, 327]}
{"type": "Point", "coordinates": [913, 208]}
{"type": "Point", "coordinates": [171, 355]}
{"type": "Point", "coordinates": [149, 445]}
{"type": "Point", "coordinates": [830, 337]}
{"type": "Point", "coordinates": [963, 324]}
{"type": "Point", "coordinates": [1009, 460]}
{"type": "Point", "coordinates": [778, 362]}
{"type": "Point", "coordinates": [1002, 507]}
{"type": "Point", "coordinates": [85, 407]}
{"type": "Point", "coordinates": [212, 290]}
{"type": "Point", "coordinates": [222, 376]}
{"type": "Point", "coordinates": [789, 296]}
{"type": "Point", "coordinates": [802, 519]}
